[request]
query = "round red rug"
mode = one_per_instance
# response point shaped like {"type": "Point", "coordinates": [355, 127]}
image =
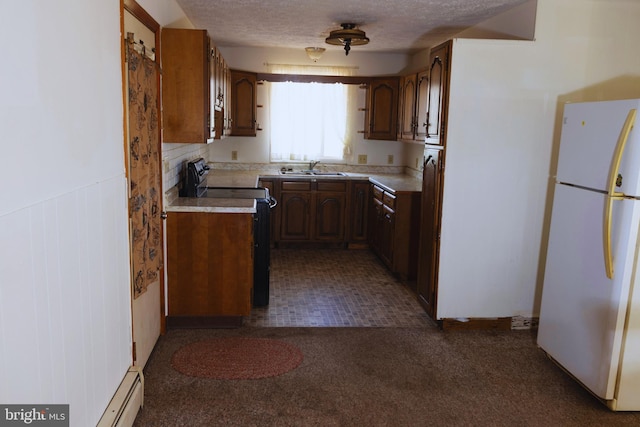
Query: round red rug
{"type": "Point", "coordinates": [236, 358]}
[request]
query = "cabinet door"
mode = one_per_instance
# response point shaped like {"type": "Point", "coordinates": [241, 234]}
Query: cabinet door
{"type": "Point", "coordinates": [330, 216]}
{"type": "Point", "coordinates": [408, 95]}
{"type": "Point", "coordinates": [187, 116]}
{"type": "Point", "coordinates": [243, 103]}
{"type": "Point", "coordinates": [382, 109]}
{"type": "Point", "coordinates": [359, 201]}
{"type": "Point", "coordinates": [438, 93]}
{"type": "Point", "coordinates": [387, 235]}
{"type": "Point", "coordinates": [375, 224]}
{"type": "Point", "coordinates": [427, 282]}
{"type": "Point", "coordinates": [422, 96]}
{"type": "Point", "coordinates": [295, 215]}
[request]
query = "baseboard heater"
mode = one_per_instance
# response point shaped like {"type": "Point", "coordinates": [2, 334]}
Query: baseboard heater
{"type": "Point", "coordinates": [126, 402]}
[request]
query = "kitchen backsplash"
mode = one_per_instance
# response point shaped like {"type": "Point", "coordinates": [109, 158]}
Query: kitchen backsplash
{"type": "Point", "coordinates": [174, 158]}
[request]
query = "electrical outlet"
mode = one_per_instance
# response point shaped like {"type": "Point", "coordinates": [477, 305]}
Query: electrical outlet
{"type": "Point", "coordinates": [362, 159]}
{"type": "Point", "coordinates": [390, 159]}
{"type": "Point", "coordinates": [234, 155]}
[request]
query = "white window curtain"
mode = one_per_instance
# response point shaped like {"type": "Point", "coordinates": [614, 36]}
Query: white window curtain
{"type": "Point", "coordinates": [308, 121]}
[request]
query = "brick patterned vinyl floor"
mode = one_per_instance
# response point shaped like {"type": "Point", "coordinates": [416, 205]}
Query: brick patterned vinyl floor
{"type": "Point", "coordinates": [335, 287]}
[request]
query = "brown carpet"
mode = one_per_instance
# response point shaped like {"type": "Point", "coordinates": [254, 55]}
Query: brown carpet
{"type": "Point", "coordinates": [378, 377]}
{"type": "Point", "coordinates": [236, 358]}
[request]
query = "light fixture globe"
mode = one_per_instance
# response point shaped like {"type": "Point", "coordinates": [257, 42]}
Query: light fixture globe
{"type": "Point", "coordinates": [348, 36]}
{"type": "Point", "coordinates": [314, 53]}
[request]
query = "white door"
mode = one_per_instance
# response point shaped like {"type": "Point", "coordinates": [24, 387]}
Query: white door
{"type": "Point", "coordinates": [582, 312]}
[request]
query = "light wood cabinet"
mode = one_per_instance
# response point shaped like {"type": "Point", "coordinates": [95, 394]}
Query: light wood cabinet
{"type": "Point", "coordinates": [209, 264]}
{"type": "Point", "coordinates": [187, 106]}
{"type": "Point", "coordinates": [381, 117]}
{"type": "Point", "coordinates": [243, 103]}
{"type": "Point", "coordinates": [394, 229]}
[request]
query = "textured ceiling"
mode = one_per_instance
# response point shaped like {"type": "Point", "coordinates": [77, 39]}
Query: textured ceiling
{"type": "Point", "coordinates": [392, 25]}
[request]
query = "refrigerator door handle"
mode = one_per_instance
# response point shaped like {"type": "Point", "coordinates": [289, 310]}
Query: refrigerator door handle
{"type": "Point", "coordinates": [612, 194]}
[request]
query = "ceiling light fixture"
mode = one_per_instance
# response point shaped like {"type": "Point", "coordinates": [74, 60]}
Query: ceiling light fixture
{"type": "Point", "coordinates": [314, 53]}
{"type": "Point", "coordinates": [348, 36]}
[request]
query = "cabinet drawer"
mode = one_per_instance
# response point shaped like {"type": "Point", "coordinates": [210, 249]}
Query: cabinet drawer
{"type": "Point", "coordinates": [377, 192]}
{"type": "Point", "coordinates": [389, 200]}
{"type": "Point", "coordinates": [332, 186]}
{"type": "Point", "coordinates": [296, 185]}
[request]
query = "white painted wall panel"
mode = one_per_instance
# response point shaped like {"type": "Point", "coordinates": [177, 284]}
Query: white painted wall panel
{"type": "Point", "coordinates": [505, 108]}
{"type": "Point", "coordinates": [64, 300]}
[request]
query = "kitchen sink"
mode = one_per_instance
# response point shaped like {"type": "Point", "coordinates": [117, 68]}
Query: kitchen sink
{"type": "Point", "coordinates": [311, 173]}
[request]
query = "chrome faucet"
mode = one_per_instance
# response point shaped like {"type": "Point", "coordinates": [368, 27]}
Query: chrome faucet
{"type": "Point", "coordinates": [313, 163]}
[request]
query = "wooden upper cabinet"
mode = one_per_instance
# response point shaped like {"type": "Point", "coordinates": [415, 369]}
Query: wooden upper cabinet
{"type": "Point", "coordinates": [187, 113]}
{"type": "Point", "coordinates": [408, 122]}
{"type": "Point", "coordinates": [438, 93]}
{"type": "Point", "coordinates": [422, 96]}
{"type": "Point", "coordinates": [382, 109]}
{"type": "Point", "coordinates": [243, 103]}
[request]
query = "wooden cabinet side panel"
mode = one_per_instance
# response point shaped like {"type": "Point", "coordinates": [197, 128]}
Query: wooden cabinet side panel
{"type": "Point", "coordinates": [185, 85]}
{"type": "Point", "coordinates": [210, 264]}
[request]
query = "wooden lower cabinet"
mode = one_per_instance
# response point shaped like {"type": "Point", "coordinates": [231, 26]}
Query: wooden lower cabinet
{"type": "Point", "coordinates": [209, 264]}
{"type": "Point", "coordinates": [394, 229]}
{"type": "Point", "coordinates": [312, 211]}
{"type": "Point", "coordinates": [358, 213]}
{"type": "Point", "coordinates": [429, 250]}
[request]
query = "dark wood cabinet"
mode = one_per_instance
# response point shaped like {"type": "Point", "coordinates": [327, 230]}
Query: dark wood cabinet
{"type": "Point", "coordinates": [295, 214]}
{"type": "Point", "coordinates": [382, 109]}
{"type": "Point", "coordinates": [243, 103]}
{"type": "Point", "coordinates": [358, 213]}
{"type": "Point", "coordinates": [432, 181]}
{"type": "Point", "coordinates": [422, 96]}
{"type": "Point", "coordinates": [408, 106]}
{"type": "Point", "coordinates": [330, 211]}
{"type": "Point", "coordinates": [209, 264]}
{"type": "Point", "coordinates": [438, 93]}
{"type": "Point", "coordinates": [220, 93]}
{"type": "Point", "coordinates": [187, 107]}
{"type": "Point", "coordinates": [412, 106]}
{"type": "Point", "coordinates": [312, 211]}
{"type": "Point", "coordinates": [394, 229]}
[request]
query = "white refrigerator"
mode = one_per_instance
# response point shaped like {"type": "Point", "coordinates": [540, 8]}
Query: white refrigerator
{"type": "Point", "coordinates": [590, 311]}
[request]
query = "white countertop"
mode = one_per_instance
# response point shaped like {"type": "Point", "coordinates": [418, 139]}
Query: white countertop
{"type": "Point", "coordinates": [396, 183]}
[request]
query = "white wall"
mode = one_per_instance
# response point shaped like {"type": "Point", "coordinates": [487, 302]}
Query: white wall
{"type": "Point", "coordinates": [505, 109]}
{"type": "Point", "coordinates": [64, 257]}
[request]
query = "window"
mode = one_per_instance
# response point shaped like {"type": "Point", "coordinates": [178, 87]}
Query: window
{"type": "Point", "coordinates": [308, 121]}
